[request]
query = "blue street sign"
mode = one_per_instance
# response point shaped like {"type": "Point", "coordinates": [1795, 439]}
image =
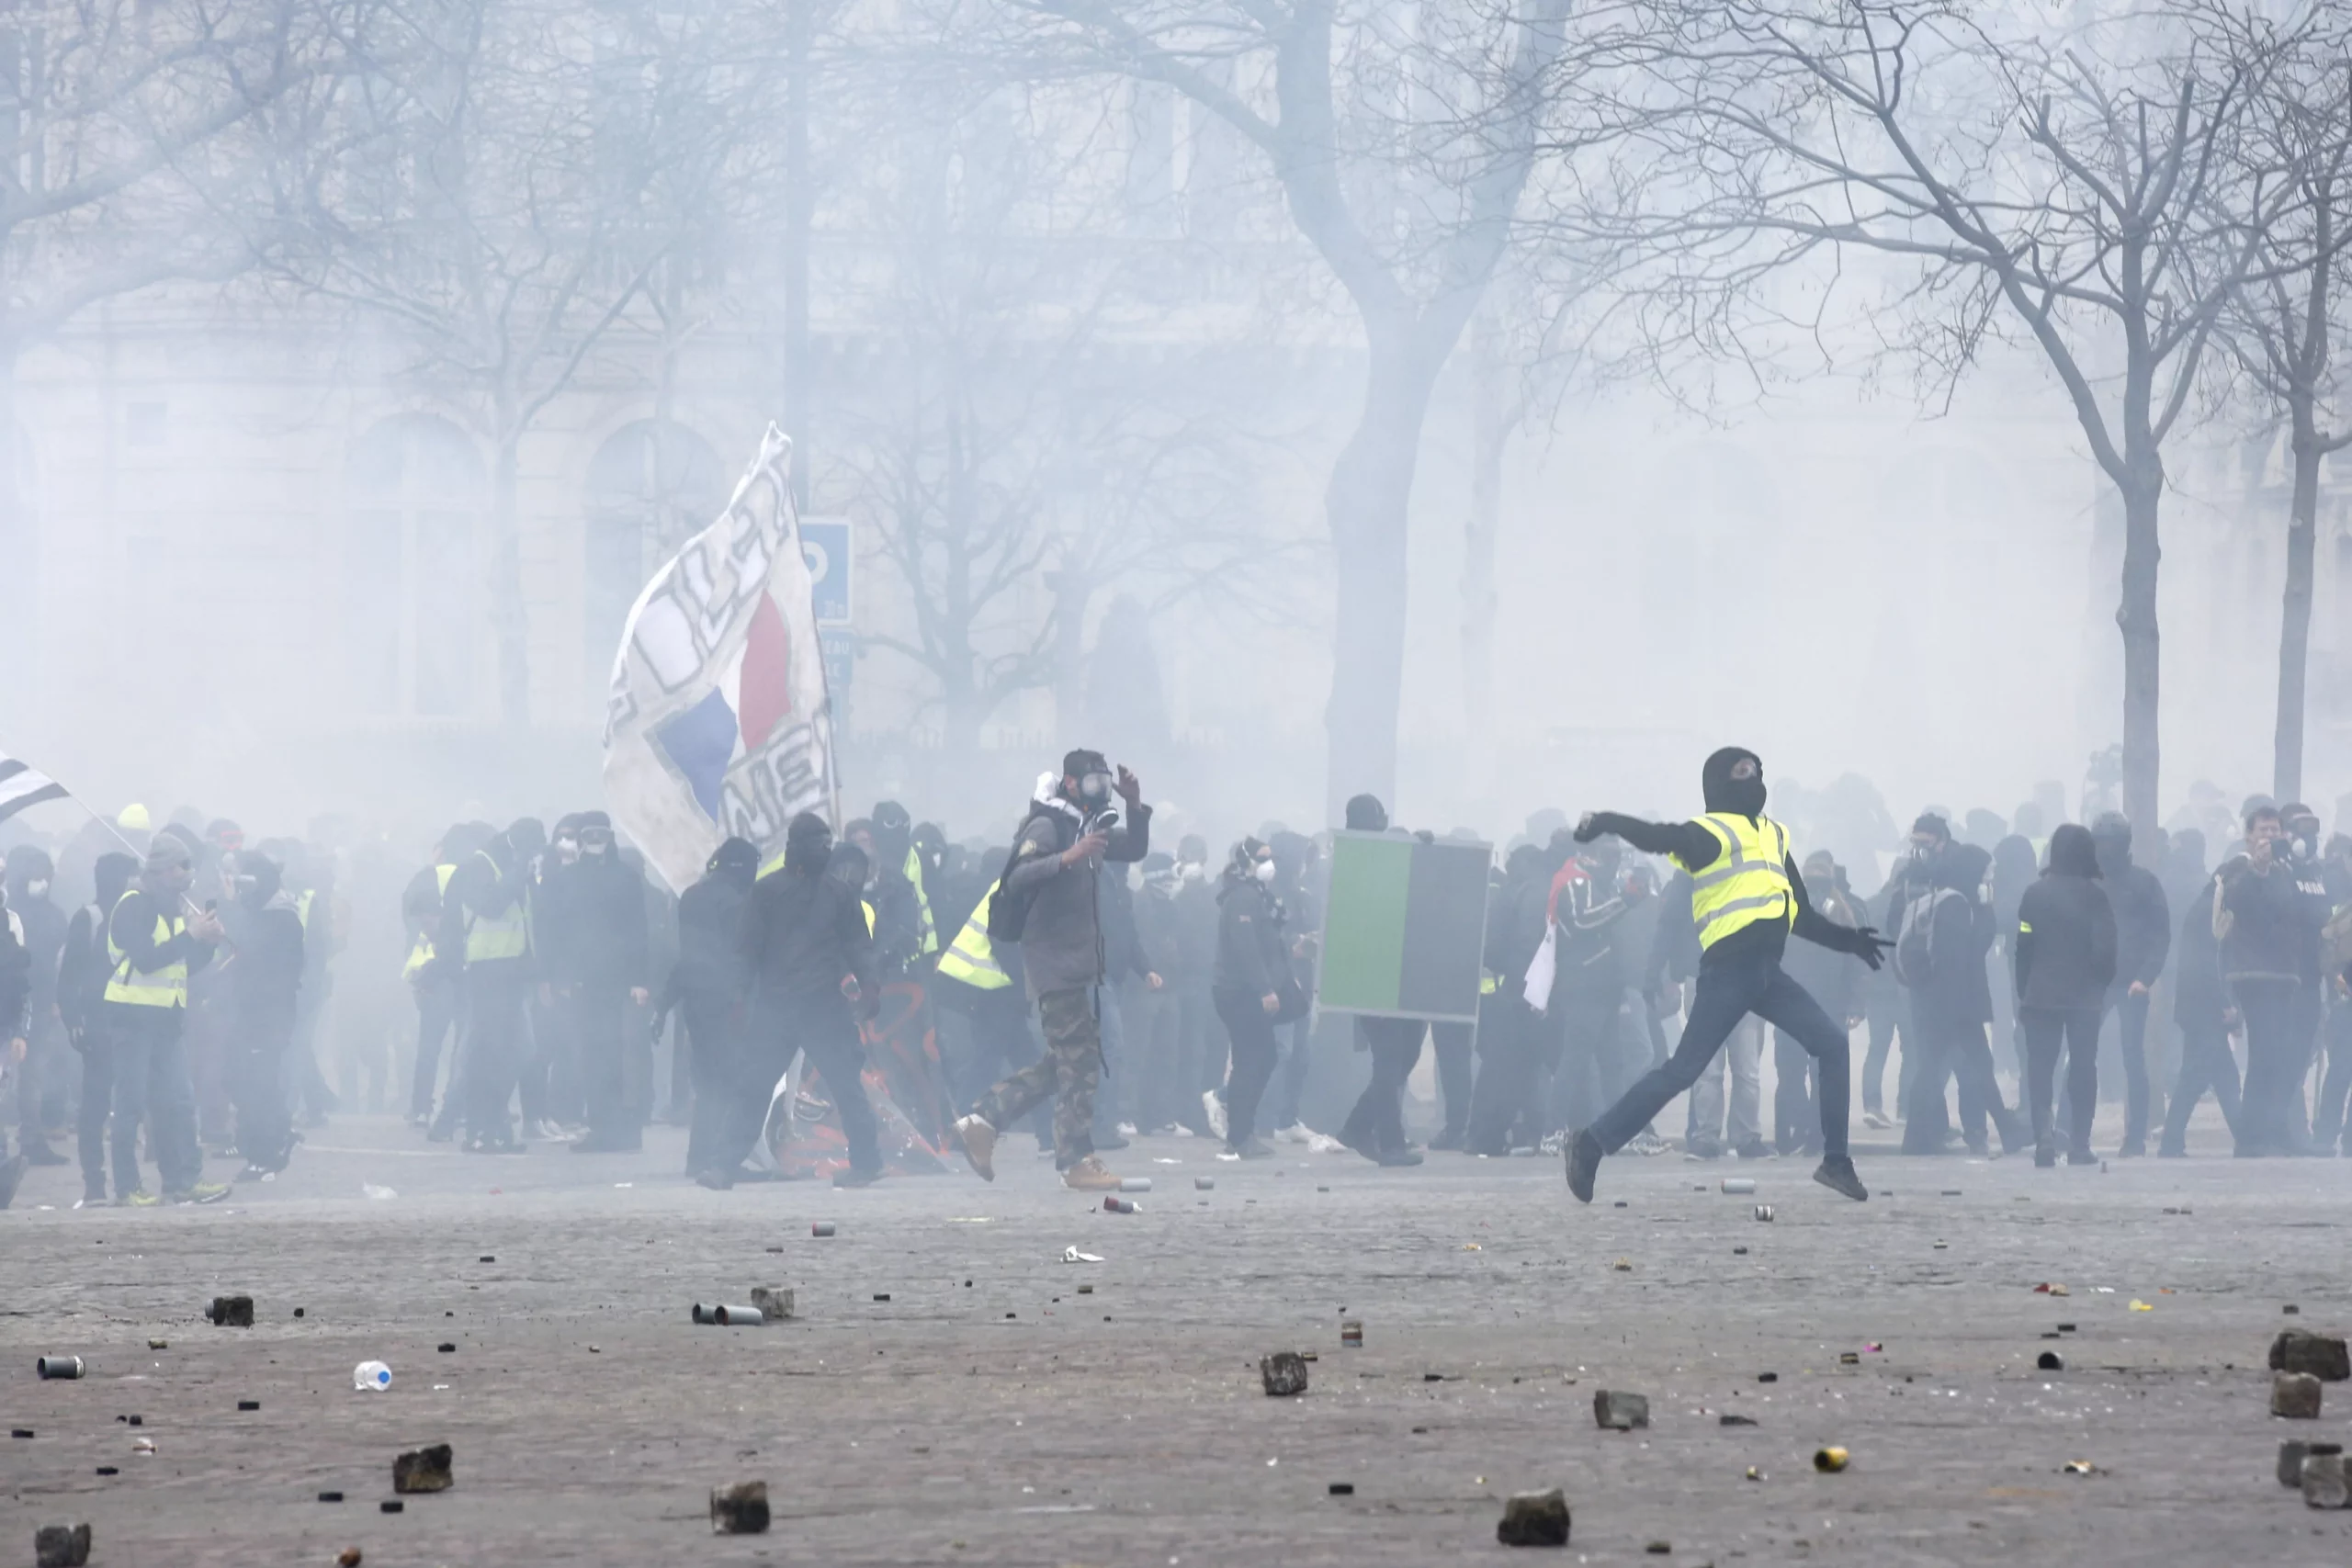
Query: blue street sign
{"type": "Point", "coordinates": [825, 541]}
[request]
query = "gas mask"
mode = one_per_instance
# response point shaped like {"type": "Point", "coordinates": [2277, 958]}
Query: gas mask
{"type": "Point", "coordinates": [1094, 789]}
{"type": "Point", "coordinates": [595, 841]}
{"type": "Point", "coordinates": [567, 849]}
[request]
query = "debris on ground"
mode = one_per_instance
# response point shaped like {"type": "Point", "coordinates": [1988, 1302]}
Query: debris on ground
{"type": "Point", "coordinates": [1072, 1254]}
{"type": "Point", "coordinates": [1829, 1461]}
{"type": "Point", "coordinates": [62, 1546]}
{"type": "Point", "coordinates": [1616, 1411]}
{"type": "Point", "coordinates": [2291, 1454]}
{"type": "Point", "coordinates": [423, 1470]}
{"type": "Point", "coordinates": [774, 1300]}
{"type": "Point", "coordinates": [2295, 1395]}
{"type": "Point", "coordinates": [1114, 1204]}
{"type": "Point", "coordinates": [1284, 1373]}
{"type": "Point", "coordinates": [1764, 1212]}
{"type": "Point", "coordinates": [231, 1311]}
{"type": "Point", "coordinates": [2078, 1467]}
{"type": "Point", "coordinates": [1351, 1334]}
{"type": "Point", "coordinates": [51, 1367]}
{"type": "Point", "coordinates": [1534, 1518]}
{"type": "Point", "coordinates": [371, 1376]}
{"type": "Point", "coordinates": [725, 1316]}
{"type": "Point", "coordinates": [1738, 1186]}
{"type": "Point", "coordinates": [820, 1227]}
{"type": "Point", "coordinates": [739, 1509]}
{"type": "Point", "coordinates": [2324, 1480]}
{"type": "Point", "coordinates": [2322, 1356]}
{"type": "Point", "coordinates": [349, 1557]}
{"type": "Point", "coordinates": [2051, 1361]}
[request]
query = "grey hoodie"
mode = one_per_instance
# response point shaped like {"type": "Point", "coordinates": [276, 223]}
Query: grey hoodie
{"type": "Point", "coordinates": [1061, 942]}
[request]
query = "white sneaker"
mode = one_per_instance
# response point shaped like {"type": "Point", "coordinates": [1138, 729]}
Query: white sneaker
{"type": "Point", "coordinates": [1296, 1133]}
{"type": "Point", "coordinates": [1213, 1108]}
{"type": "Point", "coordinates": [1127, 1130]}
{"type": "Point", "coordinates": [1180, 1130]}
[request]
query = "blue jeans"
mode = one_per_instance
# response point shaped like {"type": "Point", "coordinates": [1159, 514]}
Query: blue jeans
{"type": "Point", "coordinates": [1728, 990]}
{"type": "Point", "coordinates": [152, 1083]}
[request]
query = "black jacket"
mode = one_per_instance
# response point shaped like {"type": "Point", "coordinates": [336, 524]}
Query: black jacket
{"type": "Point", "coordinates": [1589, 966]}
{"type": "Point", "coordinates": [2067, 943]}
{"type": "Point", "coordinates": [44, 925]}
{"type": "Point", "coordinates": [1124, 953]}
{"type": "Point", "coordinates": [263, 971]}
{"type": "Point", "coordinates": [800, 936]}
{"type": "Point", "coordinates": [1833, 979]}
{"type": "Point", "coordinates": [1252, 956]}
{"type": "Point", "coordinates": [2199, 997]}
{"type": "Point", "coordinates": [711, 964]}
{"type": "Point", "coordinates": [591, 927]}
{"type": "Point", "coordinates": [2143, 924]}
{"type": "Point", "coordinates": [2263, 920]}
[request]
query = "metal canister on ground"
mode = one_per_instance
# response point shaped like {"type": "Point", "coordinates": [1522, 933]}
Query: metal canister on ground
{"type": "Point", "coordinates": [1114, 1204]}
{"type": "Point", "coordinates": [58, 1366]}
{"type": "Point", "coordinates": [1351, 1334]}
{"type": "Point", "coordinates": [1763, 1211]}
{"type": "Point", "coordinates": [1134, 1184]}
{"type": "Point", "coordinates": [820, 1227]}
{"type": "Point", "coordinates": [728, 1317]}
{"type": "Point", "coordinates": [1829, 1461]}
{"type": "Point", "coordinates": [1738, 1186]}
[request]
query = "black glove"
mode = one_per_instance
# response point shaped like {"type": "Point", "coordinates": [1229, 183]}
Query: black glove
{"type": "Point", "coordinates": [1865, 944]}
{"type": "Point", "coordinates": [1588, 827]}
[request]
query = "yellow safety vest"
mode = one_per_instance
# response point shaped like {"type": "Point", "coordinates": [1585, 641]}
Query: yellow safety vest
{"type": "Point", "coordinates": [971, 957]}
{"type": "Point", "coordinates": [1748, 881]}
{"type": "Point", "coordinates": [165, 987]}
{"type": "Point", "coordinates": [490, 937]}
{"type": "Point", "coordinates": [421, 954]}
{"type": "Point", "coordinates": [913, 872]}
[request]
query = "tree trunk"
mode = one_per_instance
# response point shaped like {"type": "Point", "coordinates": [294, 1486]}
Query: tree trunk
{"type": "Point", "coordinates": [1489, 437]}
{"type": "Point", "coordinates": [1366, 504]}
{"type": "Point", "coordinates": [507, 617]}
{"type": "Point", "coordinates": [2295, 618]}
{"type": "Point", "coordinates": [2136, 616]}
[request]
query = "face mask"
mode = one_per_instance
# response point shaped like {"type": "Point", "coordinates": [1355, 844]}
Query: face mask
{"type": "Point", "coordinates": [36, 889]}
{"type": "Point", "coordinates": [1265, 871]}
{"type": "Point", "coordinates": [1095, 787]}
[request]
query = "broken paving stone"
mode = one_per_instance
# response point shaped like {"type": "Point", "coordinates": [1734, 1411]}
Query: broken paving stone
{"type": "Point", "coordinates": [62, 1546]}
{"type": "Point", "coordinates": [1617, 1411]}
{"type": "Point", "coordinates": [231, 1311]}
{"type": "Point", "coordinates": [1343, 1489]}
{"type": "Point", "coordinates": [1768, 1377]}
{"type": "Point", "coordinates": [1284, 1373]}
{"type": "Point", "coordinates": [1534, 1518]}
{"type": "Point", "coordinates": [2295, 1395]}
{"type": "Point", "coordinates": [349, 1557]}
{"type": "Point", "coordinates": [158, 1344]}
{"type": "Point", "coordinates": [739, 1509]}
{"type": "Point", "coordinates": [2324, 1480]}
{"type": "Point", "coordinates": [1849, 1357]}
{"type": "Point", "coordinates": [390, 1505]}
{"type": "Point", "coordinates": [774, 1300]}
{"type": "Point", "coordinates": [2291, 1454]}
{"type": "Point", "coordinates": [1659, 1548]}
{"type": "Point", "coordinates": [330, 1496]}
{"type": "Point", "coordinates": [423, 1470]}
{"type": "Point", "coordinates": [249, 1405]}
{"type": "Point", "coordinates": [2324, 1356]}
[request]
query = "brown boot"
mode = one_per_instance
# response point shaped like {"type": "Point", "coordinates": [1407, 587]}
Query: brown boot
{"type": "Point", "coordinates": [979, 1145]}
{"type": "Point", "coordinates": [1090, 1175]}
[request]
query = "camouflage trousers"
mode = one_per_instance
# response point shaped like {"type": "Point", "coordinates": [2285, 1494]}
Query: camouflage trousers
{"type": "Point", "coordinates": [1069, 1070]}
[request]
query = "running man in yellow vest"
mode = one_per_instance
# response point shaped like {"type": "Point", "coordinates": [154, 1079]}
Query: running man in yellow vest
{"type": "Point", "coordinates": [1748, 900]}
{"type": "Point", "coordinates": [154, 943]}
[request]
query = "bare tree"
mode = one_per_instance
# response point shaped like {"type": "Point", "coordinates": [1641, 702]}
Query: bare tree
{"type": "Point", "coordinates": [1006, 437]}
{"type": "Point", "coordinates": [1401, 141]}
{"type": "Point", "coordinates": [2077, 188]}
{"type": "Point", "coordinates": [537, 167]}
{"type": "Point", "coordinates": [140, 142]}
{"type": "Point", "coordinates": [2288, 332]}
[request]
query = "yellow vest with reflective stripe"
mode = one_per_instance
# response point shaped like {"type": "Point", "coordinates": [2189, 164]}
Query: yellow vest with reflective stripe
{"type": "Point", "coordinates": [506, 935]}
{"type": "Point", "coordinates": [1748, 881]}
{"type": "Point", "coordinates": [971, 957]}
{"type": "Point", "coordinates": [165, 987]}
{"type": "Point", "coordinates": [421, 954]}
{"type": "Point", "coordinates": [912, 871]}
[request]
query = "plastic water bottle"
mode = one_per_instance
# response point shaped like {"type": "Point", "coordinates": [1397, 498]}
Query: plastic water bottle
{"type": "Point", "coordinates": [371, 1374]}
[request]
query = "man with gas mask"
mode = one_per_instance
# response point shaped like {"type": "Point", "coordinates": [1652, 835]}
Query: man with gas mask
{"type": "Point", "coordinates": [803, 940]}
{"type": "Point", "coordinates": [2144, 943]}
{"type": "Point", "coordinates": [262, 977]}
{"type": "Point", "coordinates": [593, 938]}
{"type": "Point", "coordinates": [1048, 898]}
{"type": "Point", "coordinates": [1747, 899]}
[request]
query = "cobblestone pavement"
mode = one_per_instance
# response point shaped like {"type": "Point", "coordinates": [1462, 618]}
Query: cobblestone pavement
{"type": "Point", "coordinates": [947, 1394]}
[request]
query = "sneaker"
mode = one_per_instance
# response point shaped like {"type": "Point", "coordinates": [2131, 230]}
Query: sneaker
{"type": "Point", "coordinates": [202, 1192]}
{"type": "Point", "coordinates": [1408, 1155]}
{"type": "Point", "coordinates": [2170, 1150]}
{"type": "Point", "coordinates": [1837, 1175]}
{"type": "Point", "coordinates": [1296, 1133]}
{"type": "Point", "coordinates": [1250, 1149]}
{"type": "Point", "coordinates": [2081, 1157]}
{"type": "Point", "coordinates": [1756, 1148]}
{"type": "Point", "coordinates": [2133, 1149]}
{"type": "Point", "coordinates": [94, 1195]}
{"type": "Point", "coordinates": [1584, 1164]}
{"type": "Point", "coordinates": [255, 1171]}
{"type": "Point", "coordinates": [1090, 1175]}
{"type": "Point", "coordinates": [718, 1180]}
{"type": "Point", "coordinates": [1702, 1149]}
{"type": "Point", "coordinates": [1213, 1110]}
{"type": "Point", "coordinates": [850, 1175]}
{"type": "Point", "coordinates": [979, 1145]}
{"type": "Point", "coordinates": [1871, 1119]}
{"type": "Point", "coordinates": [2045, 1153]}
{"type": "Point", "coordinates": [137, 1197]}
{"type": "Point", "coordinates": [1127, 1130]}
{"type": "Point", "coordinates": [1648, 1143]}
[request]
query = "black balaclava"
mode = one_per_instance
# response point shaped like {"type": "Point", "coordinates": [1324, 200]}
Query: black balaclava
{"type": "Point", "coordinates": [1733, 780]}
{"type": "Point", "coordinates": [848, 868]}
{"type": "Point", "coordinates": [2075, 852]}
{"type": "Point", "coordinates": [1560, 849]}
{"type": "Point", "coordinates": [1367, 814]}
{"type": "Point", "coordinates": [1522, 862]}
{"type": "Point", "coordinates": [1959, 867]}
{"type": "Point", "coordinates": [2111, 836]}
{"type": "Point", "coordinates": [258, 880]}
{"type": "Point", "coordinates": [112, 874]}
{"type": "Point", "coordinates": [529, 836]}
{"type": "Point", "coordinates": [736, 861]}
{"type": "Point", "coordinates": [807, 844]}
{"type": "Point", "coordinates": [893, 835]}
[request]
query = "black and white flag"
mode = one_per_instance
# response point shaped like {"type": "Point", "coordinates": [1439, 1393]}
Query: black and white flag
{"type": "Point", "coordinates": [21, 784]}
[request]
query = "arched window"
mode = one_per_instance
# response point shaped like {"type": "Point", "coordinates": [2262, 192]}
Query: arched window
{"type": "Point", "coordinates": [644, 498]}
{"type": "Point", "coordinates": [413, 498]}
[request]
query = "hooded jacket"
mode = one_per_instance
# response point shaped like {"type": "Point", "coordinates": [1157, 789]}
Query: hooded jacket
{"type": "Point", "coordinates": [1252, 957]}
{"type": "Point", "coordinates": [803, 931]}
{"type": "Point", "coordinates": [1061, 942]}
{"type": "Point", "coordinates": [2068, 938]}
{"type": "Point", "coordinates": [1959, 991]}
{"type": "Point", "coordinates": [2143, 915]}
{"type": "Point", "coordinates": [2262, 920]}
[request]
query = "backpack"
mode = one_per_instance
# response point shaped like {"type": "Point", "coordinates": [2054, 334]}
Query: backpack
{"type": "Point", "coordinates": [1916, 959]}
{"type": "Point", "coordinates": [1008, 910]}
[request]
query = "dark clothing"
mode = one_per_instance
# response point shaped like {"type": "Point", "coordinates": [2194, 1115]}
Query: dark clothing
{"type": "Point", "coordinates": [436, 1017]}
{"type": "Point", "coordinates": [1252, 1029]}
{"type": "Point", "coordinates": [775, 1032]}
{"type": "Point", "coordinates": [2205, 1063]}
{"type": "Point", "coordinates": [151, 1081]}
{"type": "Point", "coordinates": [82, 970]}
{"type": "Point", "coordinates": [1376, 1125]}
{"type": "Point", "coordinates": [481, 889]}
{"type": "Point", "coordinates": [2263, 923]}
{"type": "Point", "coordinates": [1694, 849]}
{"type": "Point", "coordinates": [494, 1043]}
{"type": "Point", "coordinates": [1125, 956]}
{"type": "Point", "coordinates": [799, 937]}
{"type": "Point", "coordinates": [132, 932]}
{"type": "Point", "coordinates": [44, 925]}
{"type": "Point", "coordinates": [2275, 1061]}
{"type": "Point", "coordinates": [1252, 958]}
{"type": "Point", "coordinates": [2047, 1031]}
{"type": "Point", "coordinates": [1061, 938]}
{"type": "Point", "coordinates": [2142, 925]}
{"type": "Point", "coordinates": [1728, 990]}
{"type": "Point", "coordinates": [591, 924]}
{"type": "Point", "coordinates": [2067, 943]}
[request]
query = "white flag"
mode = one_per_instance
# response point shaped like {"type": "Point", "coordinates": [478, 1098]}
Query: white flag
{"type": "Point", "coordinates": [21, 786]}
{"type": "Point", "coordinates": [719, 724]}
